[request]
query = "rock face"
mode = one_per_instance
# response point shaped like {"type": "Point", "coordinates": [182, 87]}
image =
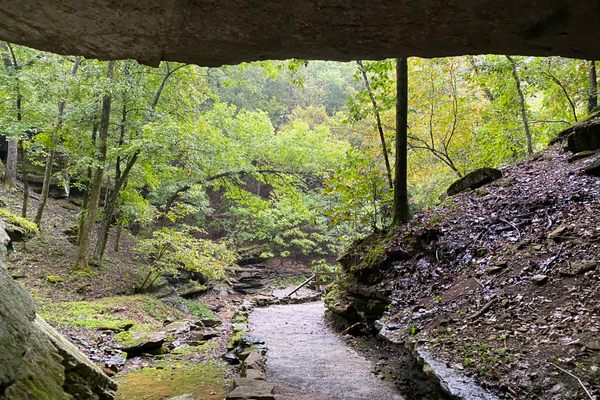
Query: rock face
{"type": "Point", "coordinates": [474, 179]}
{"type": "Point", "coordinates": [36, 362]}
{"type": "Point", "coordinates": [250, 279]}
{"type": "Point", "coordinates": [229, 31]}
{"type": "Point", "coordinates": [584, 136]}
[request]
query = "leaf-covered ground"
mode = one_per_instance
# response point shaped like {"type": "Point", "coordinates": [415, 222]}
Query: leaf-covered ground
{"type": "Point", "coordinates": [504, 282]}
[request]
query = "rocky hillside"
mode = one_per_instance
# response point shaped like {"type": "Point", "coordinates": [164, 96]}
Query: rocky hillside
{"type": "Point", "coordinates": [500, 284]}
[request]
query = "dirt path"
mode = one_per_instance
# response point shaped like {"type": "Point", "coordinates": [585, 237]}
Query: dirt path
{"type": "Point", "coordinates": [306, 360]}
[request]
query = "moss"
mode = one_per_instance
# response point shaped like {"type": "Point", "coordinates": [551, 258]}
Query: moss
{"type": "Point", "coordinates": [135, 335]}
{"type": "Point", "coordinates": [55, 279]}
{"type": "Point", "coordinates": [240, 318]}
{"type": "Point", "coordinates": [82, 313]}
{"type": "Point", "coordinates": [28, 227]}
{"type": "Point", "coordinates": [435, 220]}
{"type": "Point", "coordinates": [197, 309]}
{"type": "Point", "coordinates": [236, 338]}
{"type": "Point", "coordinates": [113, 313]}
{"type": "Point", "coordinates": [203, 381]}
{"type": "Point", "coordinates": [372, 259]}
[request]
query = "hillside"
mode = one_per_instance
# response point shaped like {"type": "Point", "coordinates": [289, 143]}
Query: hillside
{"type": "Point", "coordinates": [500, 283]}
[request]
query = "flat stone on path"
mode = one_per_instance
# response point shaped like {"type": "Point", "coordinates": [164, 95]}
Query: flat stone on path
{"type": "Point", "coordinates": [251, 389]}
{"type": "Point", "coordinates": [305, 356]}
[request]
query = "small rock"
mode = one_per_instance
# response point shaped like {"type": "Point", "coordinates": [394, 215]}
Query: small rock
{"type": "Point", "coordinates": [539, 279]}
{"type": "Point", "coordinates": [231, 358]}
{"type": "Point", "coordinates": [592, 345]}
{"type": "Point", "coordinates": [560, 234]}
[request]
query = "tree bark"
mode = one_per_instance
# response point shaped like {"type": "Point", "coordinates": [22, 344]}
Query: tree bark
{"type": "Point", "coordinates": [401, 210]}
{"type": "Point", "coordinates": [55, 138]}
{"type": "Point", "coordinates": [10, 165]}
{"type": "Point", "coordinates": [24, 179]}
{"type": "Point", "coordinates": [384, 149]}
{"type": "Point", "coordinates": [82, 259]}
{"type": "Point", "coordinates": [593, 92]}
{"type": "Point", "coordinates": [522, 104]}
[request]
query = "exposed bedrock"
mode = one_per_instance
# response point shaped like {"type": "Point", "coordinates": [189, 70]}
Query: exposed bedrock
{"type": "Point", "coordinates": [36, 362]}
{"type": "Point", "coordinates": [230, 31]}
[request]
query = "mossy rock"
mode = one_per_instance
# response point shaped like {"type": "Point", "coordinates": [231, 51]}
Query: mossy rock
{"type": "Point", "coordinates": [18, 228]}
{"type": "Point", "coordinates": [141, 340]}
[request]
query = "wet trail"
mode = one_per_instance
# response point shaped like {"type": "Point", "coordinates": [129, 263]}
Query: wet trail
{"type": "Point", "coordinates": [308, 361]}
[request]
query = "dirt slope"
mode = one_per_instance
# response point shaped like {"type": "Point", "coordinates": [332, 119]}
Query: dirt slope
{"type": "Point", "coordinates": [499, 282]}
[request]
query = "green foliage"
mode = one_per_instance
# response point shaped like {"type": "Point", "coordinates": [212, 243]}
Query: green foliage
{"type": "Point", "coordinates": [170, 250]}
{"type": "Point", "coordinates": [281, 154]}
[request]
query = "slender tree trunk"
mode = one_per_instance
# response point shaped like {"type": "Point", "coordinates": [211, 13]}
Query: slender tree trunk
{"type": "Point", "coordinates": [86, 196]}
{"type": "Point", "coordinates": [25, 180]}
{"type": "Point", "coordinates": [384, 149]}
{"type": "Point", "coordinates": [51, 154]}
{"type": "Point", "coordinates": [401, 210]}
{"type": "Point", "coordinates": [82, 259]}
{"type": "Point", "coordinates": [109, 209]}
{"type": "Point", "coordinates": [522, 104]}
{"type": "Point", "coordinates": [10, 165]}
{"type": "Point", "coordinates": [593, 94]}
{"type": "Point", "coordinates": [118, 239]}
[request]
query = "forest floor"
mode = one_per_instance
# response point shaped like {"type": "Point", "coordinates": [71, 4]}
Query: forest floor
{"type": "Point", "coordinates": [503, 282]}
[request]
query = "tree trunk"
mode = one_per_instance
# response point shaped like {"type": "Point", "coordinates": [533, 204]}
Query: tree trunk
{"type": "Point", "coordinates": [522, 104]}
{"type": "Point", "coordinates": [384, 150]}
{"type": "Point", "coordinates": [86, 196]}
{"type": "Point", "coordinates": [118, 239]}
{"type": "Point", "coordinates": [55, 138]}
{"type": "Point", "coordinates": [24, 179]}
{"type": "Point", "coordinates": [109, 209]}
{"type": "Point", "coordinates": [82, 259]}
{"type": "Point", "coordinates": [10, 165]}
{"type": "Point", "coordinates": [401, 210]}
{"type": "Point", "coordinates": [593, 94]}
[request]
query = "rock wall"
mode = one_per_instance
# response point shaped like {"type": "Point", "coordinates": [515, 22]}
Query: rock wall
{"type": "Point", "coordinates": [36, 362]}
{"type": "Point", "coordinates": [230, 31]}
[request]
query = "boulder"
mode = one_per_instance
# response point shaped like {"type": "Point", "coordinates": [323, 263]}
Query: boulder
{"type": "Point", "coordinates": [4, 241]}
{"type": "Point", "coordinates": [584, 136]}
{"type": "Point", "coordinates": [141, 342]}
{"type": "Point", "coordinates": [474, 179]}
{"type": "Point", "coordinates": [36, 362]}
